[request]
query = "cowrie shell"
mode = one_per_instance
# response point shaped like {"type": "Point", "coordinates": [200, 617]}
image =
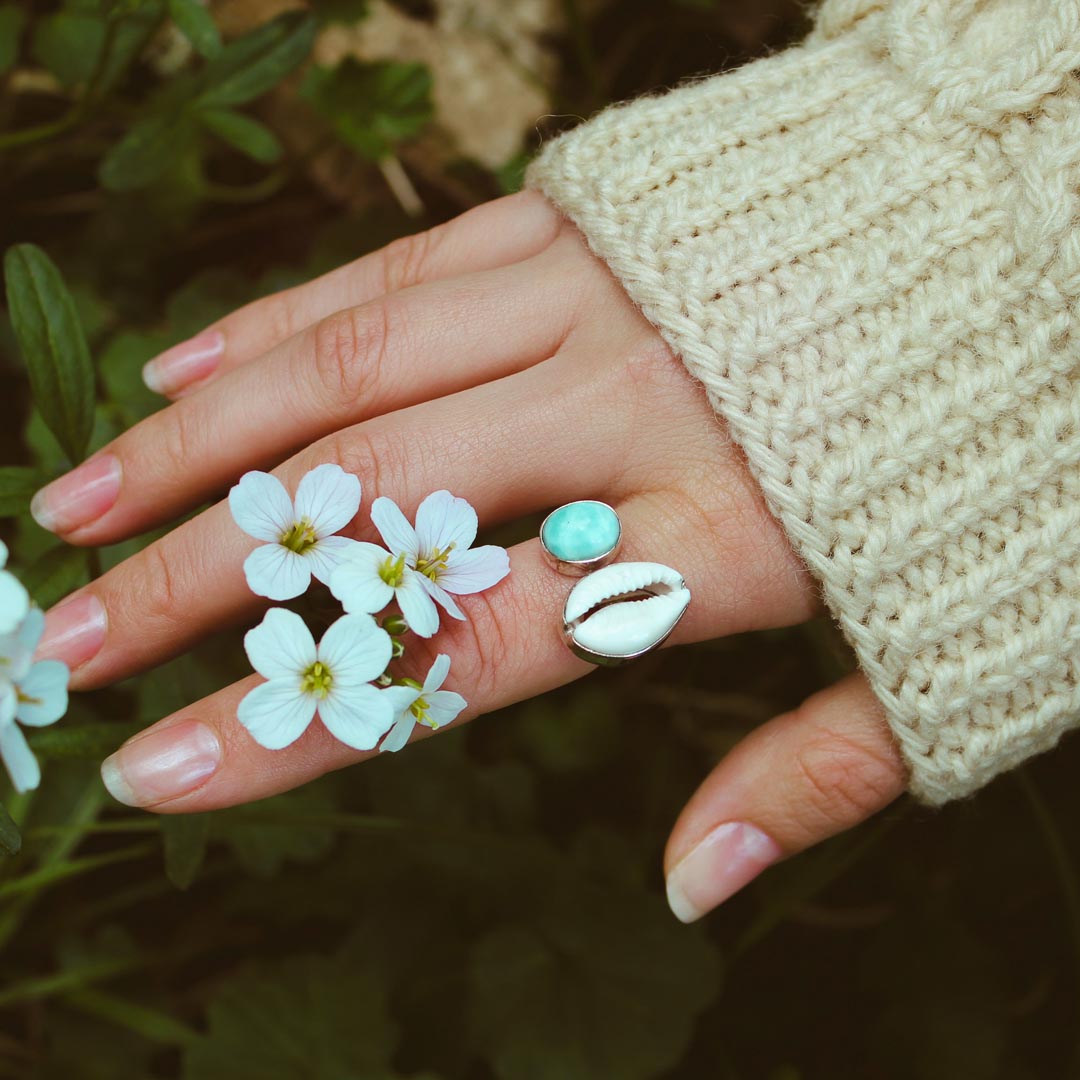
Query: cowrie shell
{"type": "Point", "coordinates": [623, 611]}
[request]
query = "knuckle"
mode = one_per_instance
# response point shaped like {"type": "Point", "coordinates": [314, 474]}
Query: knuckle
{"type": "Point", "coordinates": [482, 642]}
{"type": "Point", "coordinates": [180, 434]}
{"type": "Point", "coordinates": [159, 587]}
{"type": "Point", "coordinates": [844, 781]}
{"type": "Point", "coordinates": [405, 261]}
{"type": "Point", "coordinates": [350, 349]}
{"type": "Point", "coordinates": [374, 456]}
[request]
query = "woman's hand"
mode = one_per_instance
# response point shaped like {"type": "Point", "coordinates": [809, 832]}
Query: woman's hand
{"type": "Point", "coordinates": [496, 357]}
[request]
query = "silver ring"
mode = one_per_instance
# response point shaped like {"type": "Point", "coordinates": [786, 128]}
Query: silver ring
{"type": "Point", "coordinates": [623, 611]}
{"type": "Point", "coordinates": [581, 537]}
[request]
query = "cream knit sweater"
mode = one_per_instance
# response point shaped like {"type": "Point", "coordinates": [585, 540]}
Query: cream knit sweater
{"type": "Point", "coordinates": [867, 249]}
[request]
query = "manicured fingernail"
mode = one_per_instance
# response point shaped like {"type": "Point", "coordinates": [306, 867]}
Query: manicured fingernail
{"type": "Point", "coordinates": [186, 363]}
{"type": "Point", "coordinates": [731, 856]}
{"type": "Point", "coordinates": [79, 497]}
{"type": "Point", "coordinates": [74, 631]}
{"type": "Point", "coordinates": [161, 764]}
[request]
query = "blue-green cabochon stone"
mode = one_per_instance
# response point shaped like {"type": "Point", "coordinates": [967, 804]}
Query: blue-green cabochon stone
{"type": "Point", "coordinates": [580, 531]}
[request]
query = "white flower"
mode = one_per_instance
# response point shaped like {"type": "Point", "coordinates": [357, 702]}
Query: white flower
{"type": "Point", "coordinates": [300, 535]}
{"type": "Point", "coordinates": [14, 599]}
{"type": "Point", "coordinates": [333, 678]}
{"type": "Point", "coordinates": [31, 694]}
{"type": "Point", "coordinates": [370, 577]}
{"type": "Point", "coordinates": [440, 548]}
{"type": "Point", "coordinates": [427, 705]}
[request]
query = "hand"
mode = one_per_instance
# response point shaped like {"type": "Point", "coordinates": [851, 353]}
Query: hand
{"type": "Point", "coordinates": [496, 357]}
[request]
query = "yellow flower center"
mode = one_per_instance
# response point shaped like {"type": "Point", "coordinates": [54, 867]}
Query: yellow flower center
{"type": "Point", "coordinates": [392, 571]}
{"type": "Point", "coordinates": [318, 680]}
{"type": "Point", "coordinates": [25, 699]}
{"type": "Point", "coordinates": [434, 564]}
{"type": "Point", "coordinates": [300, 537]}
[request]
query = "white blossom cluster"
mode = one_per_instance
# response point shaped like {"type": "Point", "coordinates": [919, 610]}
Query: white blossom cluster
{"type": "Point", "coordinates": [34, 694]}
{"type": "Point", "coordinates": [344, 677]}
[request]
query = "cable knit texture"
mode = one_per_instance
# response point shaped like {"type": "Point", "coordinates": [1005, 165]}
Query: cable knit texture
{"type": "Point", "coordinates": [866, 248]}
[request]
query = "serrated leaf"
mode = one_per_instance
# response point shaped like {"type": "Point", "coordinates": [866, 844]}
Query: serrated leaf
{"type": "Point", "coordinates": [53, 344]}
{"type": "Point", "coordinates": [196, 24]}
{"type": "Point", "coordinates": [243, 133]}
{"type": "Point", "coordinates": [10, 837]}
{"type": "Point", "coordinates": [59, 571]}
{"type": "Point", "coordinates": [372, 106]}
{"type": "Point", "coordinates": [149, 150]}
{"type": "Point", "coordinates": [184, 838]}
{"type": "Point", "coordinates": [257, 62]}
{"type": "Point", "coordinates": [12, 20]}
{"type": "Point", "coordinates": [309, 1017]}
{"type": "Point", "coordinates": [17, 486]}
{"type": "Point", "coordinates": [606, 984]}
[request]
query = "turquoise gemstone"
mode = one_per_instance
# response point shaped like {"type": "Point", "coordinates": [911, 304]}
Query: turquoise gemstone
{"type": "Point", "coordinates": [581, 531]}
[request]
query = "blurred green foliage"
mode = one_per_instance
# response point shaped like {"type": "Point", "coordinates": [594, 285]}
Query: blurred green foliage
{"type": "Point", "coordinates": [488, 904]}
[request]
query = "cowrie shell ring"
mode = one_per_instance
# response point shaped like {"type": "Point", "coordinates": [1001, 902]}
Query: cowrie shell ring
{"type": "Point", "coordinates": [618, 612]}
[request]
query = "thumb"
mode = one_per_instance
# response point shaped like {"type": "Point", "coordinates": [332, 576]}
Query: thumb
{"type": "Point", "coordinates": [795, 781]}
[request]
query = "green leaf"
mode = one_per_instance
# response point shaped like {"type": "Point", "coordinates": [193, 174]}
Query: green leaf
{"type": "Point", "coordinates": [149, 150]}
{"type": "Point", "coordinates": [372, 106]}
{"type": "Point", "coordinates": [150, 1023]}
{"type": "Point", "coordinates": [184, 837]}
{"type": "Point", "coordinates": [84, 742]}
{"type": "Point", "coordinates": [243, 133]}
{"type": "Point", "coordinates": [68, 44]}
{"type": "Point", "coordinates": [257, 62]}
{"type": "Point", "coordinates": [605, 984]}
{"type": "Point", "coordinates": [197, 25]}
{"type": "Point", "coordinates": [12, 20]}
{"type": "Point", "coordinates": [10, 837]}
{"type": "Point", "coordinates": [17, 486]}
{"type": "Point", "coordinates": [59, 571]}
{"type": "Point", "coordinates": [309, 1017]}
{"type": "Point", "coordinates": [53, 344]}
{"type": "Point", "coordinates": [263, 848]}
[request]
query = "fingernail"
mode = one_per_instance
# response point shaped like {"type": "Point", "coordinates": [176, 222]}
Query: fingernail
{"type": "Point", "coordinates": [731, 856]}
{"type": "Point", "coordinates": [79, 497]}
{"type": "Point", "coordinates": [74, 631]}
{"type": "Point", "coordinates": [186, 363]}
{"type": "Point", "coordinates": [162, 764]}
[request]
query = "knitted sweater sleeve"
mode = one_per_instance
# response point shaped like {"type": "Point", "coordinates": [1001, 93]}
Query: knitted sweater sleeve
{"type": "Point", "coordinates": [867, 249]}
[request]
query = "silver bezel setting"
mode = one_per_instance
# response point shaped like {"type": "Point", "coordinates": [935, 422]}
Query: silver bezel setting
{"type": "Point", "coordinates": [580, 567]}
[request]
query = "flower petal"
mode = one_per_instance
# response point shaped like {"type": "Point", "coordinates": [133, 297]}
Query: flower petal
{"type": "Point", "coordinates": [356, 582]}
{"type": "Point", "coordinates": [439, 594]}
{"type": "Point", "coordinates": [19, 759]}
{"type": "Point", "coordinates": [261, 506]}
{"type": "Point", "coordinates": [327, 555]}
{"type": "Point", "coordinates": [417, 607]}
{"type": "Point", "coordinates": [276, 713]}
{"type": "Point", "coordinates": [43, 694]}
{"type": "Point", "coordinates": [277, 573]}
{"type": "Point", "coordinates": [359, 716]}
{"type": "Point", "coordinates": [443, 708]}
{"type": "Point", "coordinates": [281, 646]}
{"type": "Point", "coordinates": [3, 554]}
{"type": "Point", "coordinates": [356, 650]}
{"type": "Point", "coordinates": [17, 648]}
{"type": "Point", "coordinates": [398, 535]}
{"type": "Point", "coordinates": [328, 497]}
{"type": "Point", "coordinates": [399, 733]}
{"type": "Point", "coordinates": [437, 673]}
{"type": "Point", "coordinates": [8, 701]}
{"type": "Point", "coordinates": [402, 698]}
{"type": "Point", "coordinates": [14, 602]}
{"type": "Point", "coordinates": [475, 570]}
{"type": "Point", "coordinates": [442, 520]}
